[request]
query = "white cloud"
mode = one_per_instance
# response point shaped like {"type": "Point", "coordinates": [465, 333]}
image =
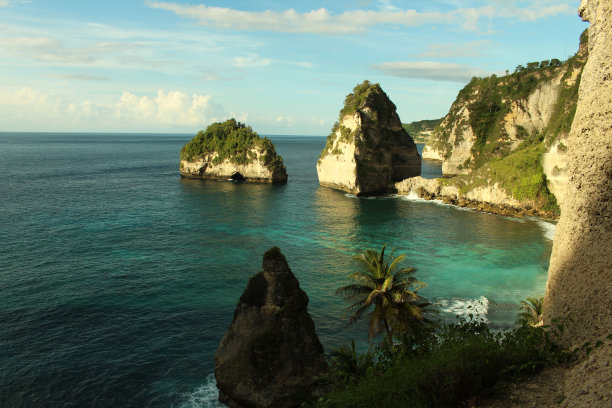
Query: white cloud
{"type": "Point", "coordinates": [322, 21]}
{"type": "Point", "coordinates": [471, 49]}
{"type": "Point", "coordinates": [319, 21]}
{"type": "Point", "coordinates": [251, 61]}
{"type": "Point", "coordinates": [81, 77]}
{"type": "Point", "coordinates": [167, 109]}
{"type": "Point", "coordinates": [282, 120]}
{"type": "Point", "coordinates": [45, 49]}
{"type": "Point", "coordinates": [437, 71]}
{"type": "Point", "coordinates": [4, 3]}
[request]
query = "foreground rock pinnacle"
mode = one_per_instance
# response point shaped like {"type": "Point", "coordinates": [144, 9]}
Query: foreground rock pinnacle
{"type": "Point", "coordinates": [270, 355]}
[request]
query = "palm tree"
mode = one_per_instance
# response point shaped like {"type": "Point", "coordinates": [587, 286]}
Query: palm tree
{"type": "Point", "coordinates": [531, 311]}
{"type": "Point", "coordinates": [385, 292]}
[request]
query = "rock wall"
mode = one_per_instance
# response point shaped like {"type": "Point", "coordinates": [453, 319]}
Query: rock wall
{"type": "Point", "coordinates": [580, 274]}
{"type": "Point", "coordinates": [579, 287]}
{"type": "Point", "coordinates": [255, 171]}
{"type": "Point", "coordinates": [430, 153]}
{"type": "Point", "coordinates": [270, 355]}
{"type": "Point", "coordinates": [368, 151]}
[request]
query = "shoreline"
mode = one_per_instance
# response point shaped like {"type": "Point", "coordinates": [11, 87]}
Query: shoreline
{"type": "Point", "coordinates": [491, 199]}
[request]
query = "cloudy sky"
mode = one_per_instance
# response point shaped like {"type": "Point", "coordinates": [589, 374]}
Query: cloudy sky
{"type": "Point", "coordinates": [283, 67]}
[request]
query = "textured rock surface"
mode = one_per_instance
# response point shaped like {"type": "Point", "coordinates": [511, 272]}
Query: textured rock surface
{"type": "Point", "coordinates": [554, 164]}
{"type": "Point", "coordinates": [256, 171]}
{"type": "Point", "coordinates": [453, 142]}
{"type": "Point", "coordinates": [232, 150]}
{"type": "Point", "coordinates": [490, 198]}
{"type": "Point", "coordinates": [368, 150]}
{"type": "Point", "coordinates": [580, 275]}
{"type": "Point", "coordinates": [271, 353]}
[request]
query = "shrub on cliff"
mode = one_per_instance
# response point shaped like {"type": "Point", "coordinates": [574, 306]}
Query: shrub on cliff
{"type": "Point", "coordinates": [442, 367]}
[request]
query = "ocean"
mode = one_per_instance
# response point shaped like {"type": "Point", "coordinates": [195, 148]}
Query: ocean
{"type": "Point", "coordinates": [118, 277]}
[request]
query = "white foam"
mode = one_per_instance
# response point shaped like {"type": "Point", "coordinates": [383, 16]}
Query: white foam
{"type": "Point", "coordinates": [478, 308]}
{"type": "Point", "coordinates": [548, 228]}
{"type": "Point", "coordinates": [205, 396]}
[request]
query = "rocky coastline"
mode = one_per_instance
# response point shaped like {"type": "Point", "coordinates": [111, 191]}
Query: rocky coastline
{"type": "Point", "coordinates": [490, 199]}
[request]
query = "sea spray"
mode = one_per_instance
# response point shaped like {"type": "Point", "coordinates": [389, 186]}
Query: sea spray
{"type": "Point", "coordinates": [205, 396]}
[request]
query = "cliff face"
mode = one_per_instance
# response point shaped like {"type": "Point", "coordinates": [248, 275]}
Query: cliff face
{"type": "Point", "coordinates": [231, 150]}
{"type": "Point", "coordinates": [580, 274]}
{"type": "Point", "coordinates": [270, 355]}
{"type": "Point", "coordinates": [368, 149]}
{"type": "Point", "coordinates": [579, 286]}
{"type": "Point", "coordinates": [496, 116]}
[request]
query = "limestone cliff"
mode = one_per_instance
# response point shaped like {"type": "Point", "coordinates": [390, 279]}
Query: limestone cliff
{"type": "Point", "coordinates": [270, 355]}
{"type": "Point", "coordinates": [580, 274]}
{"type": "Point", "coordinates": [368, 149]}
{"type": "Point", "coordinates": [497, 116]}
{"type": "Point", "coordinates": [579, 286]}
{"type": "Point", "coordinates": [421, 130]}
{"type": "Point", "coordinates": [231, 150]}
{"type": "Point", "coordinates": [488, 198]}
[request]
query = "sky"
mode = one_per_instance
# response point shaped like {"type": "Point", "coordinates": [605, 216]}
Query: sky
{"type": "Point", "coordinates": [281, 67]}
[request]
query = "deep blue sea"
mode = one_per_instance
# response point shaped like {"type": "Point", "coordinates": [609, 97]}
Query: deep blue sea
{"type": "Point", "coordinates": [118, 277]}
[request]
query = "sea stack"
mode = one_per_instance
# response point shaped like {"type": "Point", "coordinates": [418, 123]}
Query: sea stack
{"type": "Point", "coordinates": [232, 150]}
{"type": "Point", "coordinates": [368, 150]}
{"type": "Point", "coordinates": [270, 355]}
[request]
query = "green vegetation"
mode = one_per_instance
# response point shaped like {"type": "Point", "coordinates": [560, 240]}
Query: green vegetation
{"type": "Point", "coordinates": [419, 128]}
{"type": "Point", "coordinates": [429, 364]}
{"type": "Point", "coordinates": [520, 173]}
{"type": "Point", "coordinates": [483, 105]}
{"type": "Point", "coordinates": [357, 98]}
{"type": "Point", "coordinates": [234, 141]}
{"type": "Point", "coordinates": [387, 294]}
{"type": "Point", "coordinates": [531, 311]}
{"type": "Point", "coordinates": [441, 366]}
{"type": "Point", "coordinates": [363, 94]}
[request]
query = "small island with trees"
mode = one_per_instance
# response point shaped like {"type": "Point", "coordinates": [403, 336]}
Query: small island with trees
{"type": "Point", "coordinates": [232, 150]}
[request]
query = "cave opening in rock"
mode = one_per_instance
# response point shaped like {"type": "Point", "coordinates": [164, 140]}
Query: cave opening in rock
{"type": "Point", "coordinates": [237, 176]}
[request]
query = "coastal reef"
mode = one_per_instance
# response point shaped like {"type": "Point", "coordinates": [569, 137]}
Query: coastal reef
{"type": "Point", "coordinates": [368, 150]}
{"type": "Point", "coordinates": [232, 150]}
{"type": "Point", "coordinates": [513, 131]}
{"type": "Point", "coordinates": [270, 355]}
{"type": "Point", "coordinates": [579, 286]}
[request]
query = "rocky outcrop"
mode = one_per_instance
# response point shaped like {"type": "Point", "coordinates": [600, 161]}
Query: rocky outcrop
{"type": "Point", "coordinates": [231, 150]}
{"type": "Point", "coordinates": [492, 117]}
{"type": "Point", "coordinates": [488, 198]}
{"type": "Point", "coordinates": [368, 150]}
{"type": "Point", "coordinates": [579, 286]}
{"type": "Point", "coordinates": [271, 354]}
{"type": "Point", "coordinates": [554, 164]}
{"type": "Point", "coordinates": [527, 115]}
{"type": "Point", "coordinates": [430, 153]}
{"type": "Point", "coordinates": [580, 274]}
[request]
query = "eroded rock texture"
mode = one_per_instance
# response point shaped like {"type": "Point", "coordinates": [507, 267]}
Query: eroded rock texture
{"type": "Point", "coordinates": [271, 354]}
{"type": "Point", "coordinates": [368, 150]}
{"type": "Point", "coordinates": [580, 275]}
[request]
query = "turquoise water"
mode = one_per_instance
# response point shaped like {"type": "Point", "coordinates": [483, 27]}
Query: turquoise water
{"type": "Point", "coordinates": [119, 278]}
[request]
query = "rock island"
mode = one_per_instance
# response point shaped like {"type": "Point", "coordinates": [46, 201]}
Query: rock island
{"type": "Point", "coordinates": [232, 150]}
{"type": "Point", "coordinates": [368, 150]}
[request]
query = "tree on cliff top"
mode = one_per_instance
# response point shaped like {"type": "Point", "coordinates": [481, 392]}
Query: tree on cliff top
{"type": "Point", "coordinates": [234, 141]}
{"type": "Point", "coordinates": [385, 292]}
